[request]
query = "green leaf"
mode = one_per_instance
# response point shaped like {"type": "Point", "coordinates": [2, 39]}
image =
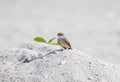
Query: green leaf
{"type": "Point", "coordinates": [40, 39]}
{"type": "Point", "coordinates": [49, 42]}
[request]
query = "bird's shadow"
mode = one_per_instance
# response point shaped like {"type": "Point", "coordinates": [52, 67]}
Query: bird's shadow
{"type": "Point", "coordinates": [47, 54]}
{"type": "Point", "coordinates": [41, 57]}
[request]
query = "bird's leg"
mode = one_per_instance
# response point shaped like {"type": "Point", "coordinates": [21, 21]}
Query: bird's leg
{"type": "Point", "coordinates": [70, 48]}
{"type": "Point", "coordinates": [64, 47]}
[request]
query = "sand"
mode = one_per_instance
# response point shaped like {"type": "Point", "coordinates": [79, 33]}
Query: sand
{"type": "Point", "coordinates": [39, 62]}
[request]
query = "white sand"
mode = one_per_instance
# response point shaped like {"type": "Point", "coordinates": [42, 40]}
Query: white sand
{"type": "Point", "coordinates": [48, 64]}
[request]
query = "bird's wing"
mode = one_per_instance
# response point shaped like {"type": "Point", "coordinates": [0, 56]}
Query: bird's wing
{"type": "Point", "coordinates": [66, 41]}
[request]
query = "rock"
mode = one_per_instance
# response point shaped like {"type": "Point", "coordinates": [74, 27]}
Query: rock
{"type": "Point", "coordinates": [39, 62]}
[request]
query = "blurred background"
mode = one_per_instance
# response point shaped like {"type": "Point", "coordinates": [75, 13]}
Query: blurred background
{"type": "Point", "coordinates": [92, 26]}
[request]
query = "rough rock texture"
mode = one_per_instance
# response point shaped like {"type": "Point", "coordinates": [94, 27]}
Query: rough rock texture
{"type": "Point", "coordinates": [38, 62]}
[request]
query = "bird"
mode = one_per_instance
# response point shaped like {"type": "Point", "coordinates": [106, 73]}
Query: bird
{"type": "Point", "coordinates": [63, 42]}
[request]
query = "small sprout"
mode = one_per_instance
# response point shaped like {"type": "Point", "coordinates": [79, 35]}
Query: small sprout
{"type": "Point", "coordinates": [41, 39]}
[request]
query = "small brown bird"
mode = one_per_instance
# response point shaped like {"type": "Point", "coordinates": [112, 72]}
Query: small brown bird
{"type": "Point", "coordinates": [62, 40]}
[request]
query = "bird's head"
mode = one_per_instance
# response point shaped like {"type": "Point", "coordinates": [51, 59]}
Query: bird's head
{"type": "Point", "coordinates": [60, 34]}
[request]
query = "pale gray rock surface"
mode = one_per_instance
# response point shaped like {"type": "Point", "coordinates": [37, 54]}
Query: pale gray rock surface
{"type": "Point", "coordinates": [39, 62]}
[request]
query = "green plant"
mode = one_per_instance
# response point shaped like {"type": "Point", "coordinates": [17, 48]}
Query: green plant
{"type": "Point", "coordinates": [41, 39]}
